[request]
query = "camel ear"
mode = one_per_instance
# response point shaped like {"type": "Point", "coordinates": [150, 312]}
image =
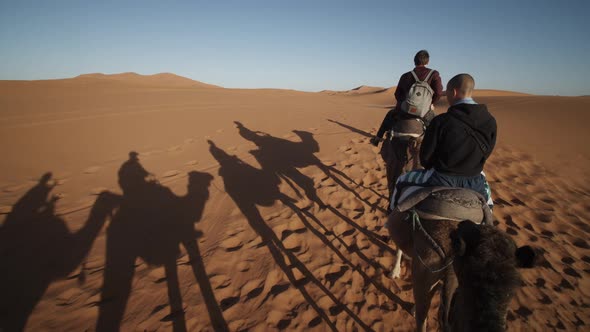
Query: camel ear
{"type": "Point", "coordinates": [459, 246]}
{"type": "Point", "coordinates": [526, 257]}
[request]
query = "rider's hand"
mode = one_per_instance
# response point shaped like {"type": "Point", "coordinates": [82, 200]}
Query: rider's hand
{"type": "Point", "coordinates": [374, 140]}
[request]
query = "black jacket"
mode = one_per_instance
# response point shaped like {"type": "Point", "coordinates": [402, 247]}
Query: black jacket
{"type": "Point", "coordinates": [449, 144]}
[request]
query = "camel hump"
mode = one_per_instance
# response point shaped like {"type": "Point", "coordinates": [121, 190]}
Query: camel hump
{"type": "Point", "coordinates": [447, 203]}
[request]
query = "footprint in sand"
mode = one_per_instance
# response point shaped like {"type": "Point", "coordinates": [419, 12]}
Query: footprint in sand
{"type": "Point", "coordinates": [243, 266]}
{"type": "Point", "coordinates": [275, 284]}
{"type": "Point", "coordinates": [294, 226]}
{"type": "Point", "coordinates": [343, 229]}
{"type": "Point", "coordinates": [220, 281]}
{"type": "Point", "coordinates": [157, 275]}
{"type": "Point", "coordinates": [540, 283]}
{"type": "Point", "coordinates": [511, 231]}
{"type": "Point", "coordinates": [545, 299]}
{"type": "Point", "coordinates": [335, 274]}
{"type": "Point", "coordinates": [171, 173]}
{"type": "Point", "coordinates": [510, 222]}
{"type": "Point", "coordinates": [566, 284]}
{"type": "Point", "coordinates": [252, 289]}
{"type": "Point", "coordinates": [229, 300]}
{"type": "Point", "coordinates": [294, 244]}
{"type": "Point", "coordinates": [568, 260]}
{"type": "Point", "coordinates": [571, 272]}
{"type": "Point", "coordinates": [232, 244]}
{"type": "Point", "coordinates": [517, 201]}
{"type": "Point", "coordinates": [580, 243]}
{"type": "Point", "coordinates": [311, 318]}
{"type": "Point", "coordinates": [278, 319]}
{"type": "Point", "coordinates": [92, 170]}
{"type": "Point", "coordinates": [524, 312]}
{"type": "Point", "coordinates": [344, 148]}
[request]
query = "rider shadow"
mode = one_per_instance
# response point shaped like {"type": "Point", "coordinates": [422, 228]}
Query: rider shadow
{"type": "Point", "coordinates": [151, 223]}
{"type": "Point", "coordinates": [37, 248]}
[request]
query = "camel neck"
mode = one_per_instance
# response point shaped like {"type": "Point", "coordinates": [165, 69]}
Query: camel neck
{"type": "Point", "coordinates": [483, 308]}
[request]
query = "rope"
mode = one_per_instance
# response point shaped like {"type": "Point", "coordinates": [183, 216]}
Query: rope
{"type": "Point", "coordinates": [416, 224]}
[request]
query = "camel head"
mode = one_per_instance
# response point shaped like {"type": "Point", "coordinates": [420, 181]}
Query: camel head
{"type": "Point", "coordinates": [486, 264]}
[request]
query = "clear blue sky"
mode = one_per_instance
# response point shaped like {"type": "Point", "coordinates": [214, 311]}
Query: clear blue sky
{"type": "Point", "coordinates": [539, 47]}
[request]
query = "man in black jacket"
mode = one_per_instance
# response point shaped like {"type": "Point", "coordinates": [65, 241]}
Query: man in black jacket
{"type": "Point", "coordinates": [456, 145]}
{"type": "Point", "coordinates": [401, 153]}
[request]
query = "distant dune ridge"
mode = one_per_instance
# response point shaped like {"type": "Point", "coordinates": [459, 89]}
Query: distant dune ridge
{"type": "Point", "coordinates": [167, 80]}
{"type": "Point", "coordinates": [241, 174]}
{"type": "Point", "coordinates": [163, 79]}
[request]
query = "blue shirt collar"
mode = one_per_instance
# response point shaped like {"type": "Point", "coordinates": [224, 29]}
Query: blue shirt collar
{"type": "Point", "coordinates": [465, 101]}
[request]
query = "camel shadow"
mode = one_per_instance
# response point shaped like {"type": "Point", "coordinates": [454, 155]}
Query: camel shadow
{"type": "Point", "coordinates": [151, 222]}
{"type": "Point", "coordinates": [283, 158]}
{"type": "Point", "coordinates": [37, 248]}
{"type": "Point", "coordinates": [250, 187]}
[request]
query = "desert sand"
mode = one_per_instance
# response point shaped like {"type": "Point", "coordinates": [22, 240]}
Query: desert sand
{"type": "Point", "coordinates": [240, 173]}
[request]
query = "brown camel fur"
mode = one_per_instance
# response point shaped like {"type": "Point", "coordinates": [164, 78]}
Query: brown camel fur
{"type": "Point", "coordinates": [479, 284]}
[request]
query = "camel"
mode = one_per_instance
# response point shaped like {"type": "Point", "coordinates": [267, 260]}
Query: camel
{"type": "Point", "coordinates": [475, 264]}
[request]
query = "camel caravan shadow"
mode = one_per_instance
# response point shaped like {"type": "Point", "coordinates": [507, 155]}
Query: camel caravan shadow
{"type": "Point", "coordinates": [251, 187]}
{"type": "Point", "coordinates": [37, 248]}
{"type": "Point", "coordinates": [150, 223]}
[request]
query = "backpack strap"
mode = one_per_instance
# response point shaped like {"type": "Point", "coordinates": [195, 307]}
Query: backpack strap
{"type": "Point", "coordinates": [428, 76]}
{"type": "Point", "coordinates": [424, 80]}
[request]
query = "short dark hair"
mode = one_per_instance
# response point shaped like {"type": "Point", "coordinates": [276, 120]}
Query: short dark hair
{"type": "Point", "coordinates": [421, 58]}
{"type": "Point", "coordinates": [463, 82]}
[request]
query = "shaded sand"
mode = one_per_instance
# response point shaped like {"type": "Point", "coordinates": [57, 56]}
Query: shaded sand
{"type": "Point", "coordinates": [234, 228]}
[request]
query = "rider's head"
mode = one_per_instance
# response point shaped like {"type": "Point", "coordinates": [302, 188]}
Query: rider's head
{"type": "Point", "coordinates": [421, 58]}
{"type": "Point", "coordinates": [459, 87]}
{"type": "Point", "coordinates": [133, 155]}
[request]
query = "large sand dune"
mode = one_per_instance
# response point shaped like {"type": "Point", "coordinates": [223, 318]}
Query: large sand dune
{"type": "Point", "coordinates": [246, 169]}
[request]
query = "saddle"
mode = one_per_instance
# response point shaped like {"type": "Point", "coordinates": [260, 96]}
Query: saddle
{"type": "Point", "coordinates": [446, 203]}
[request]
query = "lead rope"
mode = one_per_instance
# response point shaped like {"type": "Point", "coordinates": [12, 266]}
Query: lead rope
{"type": "Point", "coordinates": [417, 224]}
